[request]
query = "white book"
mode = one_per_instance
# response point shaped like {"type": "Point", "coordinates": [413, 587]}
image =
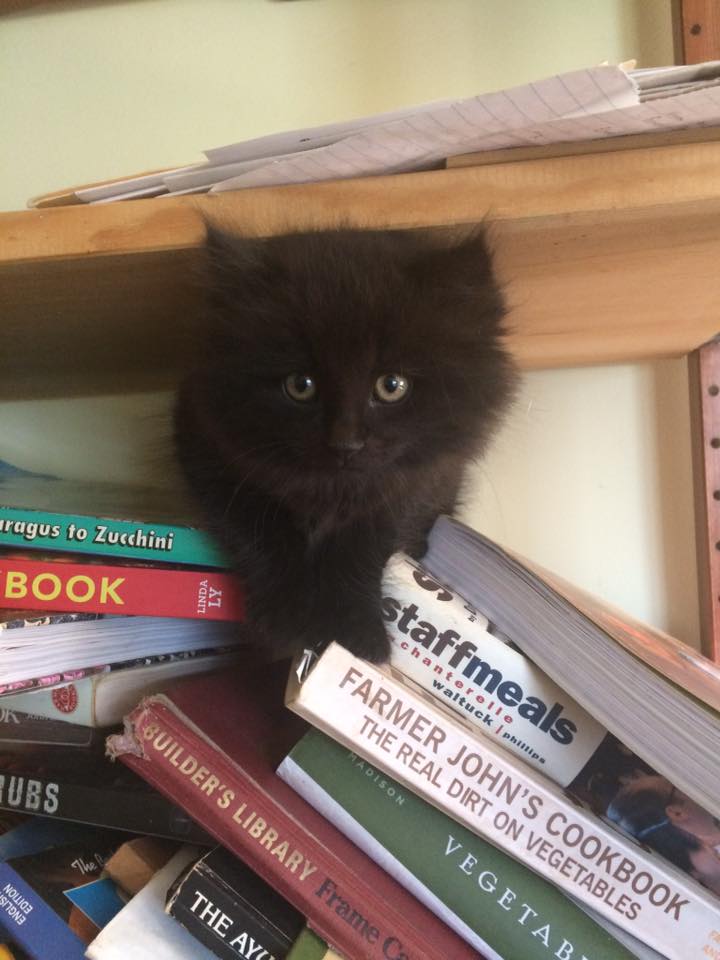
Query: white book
{"type": "Point", "coordinates": [658, 696]}
{"type": "Point", "coordinates": [490, 913]}
{"type": "Point", "coordinates": [446, 646]}
{"type": "Point", "coordinates": [38, 651]}
{"type": "Point", "coordinates": [440, 642]}
{"type": "Point", "coordinates": [410, 736]}
{"type": "Point", "coordinates": [143, 930]}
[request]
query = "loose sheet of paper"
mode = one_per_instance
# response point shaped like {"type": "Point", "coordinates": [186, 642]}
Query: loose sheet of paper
{"type": "Point", "coordinates": [601, 102]}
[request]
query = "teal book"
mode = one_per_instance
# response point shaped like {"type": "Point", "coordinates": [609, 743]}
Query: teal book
{"type": "Point", "coordinates": [26, 529]}
{"type": "Point", "coordinates": [498, 905]}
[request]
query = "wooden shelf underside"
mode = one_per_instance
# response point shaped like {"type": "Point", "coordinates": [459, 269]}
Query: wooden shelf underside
{"type": "Point", "coordinates": [606, 257]}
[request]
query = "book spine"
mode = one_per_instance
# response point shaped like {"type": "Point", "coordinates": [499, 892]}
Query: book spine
{"type": "Point", "coordinates": [82, 702]}
{"type": "Point", "coordinates": [72, 701]}
{"type": "Point", "coordinates": [18, 729]}
{"type": "Point", "coordinates": [176, 759]}
{"type": "Point", "coordinates": [36, 684]}
{"type": "Point", "coordinates": [226, 924]}
{"type": "Point", "coordinates": [511, 912]}
{"type": "Point", "coordinates": [309, 946]}
{"type": "Point", "coordinates": [134, 540]}
{"type": "Point", "coordinates": [10, 951]}
{"type": "Point", "coordinates": [137, 811]}
{"type": "Point", "coordinates": [140, 591]}
{"type": "Point", "coordinates": [443, 644]}
{"type": "Point", "coordinates": [31, 923]}
{"type": "Point", "coordinates": [497, 797]}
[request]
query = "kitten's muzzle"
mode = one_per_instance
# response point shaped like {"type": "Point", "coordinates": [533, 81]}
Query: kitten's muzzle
{"type": "Point", "coordinates": [345, 448]}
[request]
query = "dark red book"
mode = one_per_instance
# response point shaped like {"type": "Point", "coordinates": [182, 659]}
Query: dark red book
{"type": "Point", "coordinates": [54, 584]}
{"type": "Point", "coordinates": [212, 745]}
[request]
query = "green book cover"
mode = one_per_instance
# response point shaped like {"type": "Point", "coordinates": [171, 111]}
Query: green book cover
{"type": "Point", "coordinates": [308, 946]}
{"type": "Point", "coordinates": [513, 911]}
{"type": "Point", "coordinates": [25, 529]}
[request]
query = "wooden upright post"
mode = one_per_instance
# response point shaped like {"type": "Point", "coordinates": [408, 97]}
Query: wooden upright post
{"type": "Point", "coordinates": [698, 32]}
{"type": "Point", "coordinates": [697, 38]}
{"type": "Point", "coordinates": [704, 368]}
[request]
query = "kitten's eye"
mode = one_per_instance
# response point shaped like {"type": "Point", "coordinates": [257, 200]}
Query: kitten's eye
{"type": "Point", "coordinates": [299, 387]}
{"type": "Point", "coordinates": [391, 387]}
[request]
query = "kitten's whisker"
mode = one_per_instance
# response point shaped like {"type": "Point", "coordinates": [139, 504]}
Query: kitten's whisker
{"type": "Point", "coordinates": [284, 493]}
{"type": "Point", "coordinates": [249, 452]}
{"type": "Point", "coordinates": [240, 486]}
{"type": "Point", "coordinates": [231, 501]}
{"type": "Point", "coordinates": [448, 401]}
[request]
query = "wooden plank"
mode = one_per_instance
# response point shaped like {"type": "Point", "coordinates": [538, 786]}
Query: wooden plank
{"type": "Point", "coordinates": [606, 258]}
{"type": "Point", "coordinates": [700, 30]}
{"type": "Point", "coordinates": [578, 148]}
{"type": "Point", "coordinates": [550, 187]}
{"type": "Point", "coordinates": [704, 382]}
{"type": "Point", "coordinates": [697, 35]}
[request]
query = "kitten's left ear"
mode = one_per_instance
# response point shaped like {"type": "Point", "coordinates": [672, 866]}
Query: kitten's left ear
{"type": "Point", "coordinates": [463, 266]}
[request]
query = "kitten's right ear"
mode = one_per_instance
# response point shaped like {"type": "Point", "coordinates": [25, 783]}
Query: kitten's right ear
{"type": "Point", "coordinates": [216, 240]}
{"type": "Point", "coordinates": [236, 267]}
{"type": "Point", "coordinates": [231, 252]}
{"type": "Point", "coordinates": [464, 261]}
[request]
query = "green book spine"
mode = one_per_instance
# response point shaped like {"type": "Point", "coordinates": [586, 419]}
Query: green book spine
{"type": "Point", "coordinates": [308, 946]}
{"type": "Point", "coordinates": [500, 906]}
{"type": "Point", "coordinates": [22, 529]}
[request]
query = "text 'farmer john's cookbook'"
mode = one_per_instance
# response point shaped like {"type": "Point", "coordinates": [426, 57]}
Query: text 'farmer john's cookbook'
{"type": "Point", "coordinates": [501, 798]}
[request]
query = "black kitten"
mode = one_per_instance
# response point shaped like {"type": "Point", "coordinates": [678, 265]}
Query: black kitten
{"type": "Point", "coordinates": [347, 379]}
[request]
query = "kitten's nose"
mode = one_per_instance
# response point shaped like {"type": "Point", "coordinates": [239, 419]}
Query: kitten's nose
{"type": "Point", "coordinates": [345, 448]}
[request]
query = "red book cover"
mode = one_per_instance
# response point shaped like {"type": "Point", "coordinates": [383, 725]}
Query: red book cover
{"type": "Point", "coordinates": [212, 744]}
{"type": "Point", "coordinates": [119, 589]}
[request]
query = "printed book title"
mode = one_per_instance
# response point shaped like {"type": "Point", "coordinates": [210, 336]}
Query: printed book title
{"type": "Point", "coordinates": [443, 644]}
{"type": "Point", "coordinates": [269, 840]}
{"type": "Point", "coordinates": [99, 533]}
{"type": "Point", "coordinates": [497, 802]}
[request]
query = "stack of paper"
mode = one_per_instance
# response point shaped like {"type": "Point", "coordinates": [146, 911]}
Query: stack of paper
{"type": "Point", "coordinates": [605, 101]}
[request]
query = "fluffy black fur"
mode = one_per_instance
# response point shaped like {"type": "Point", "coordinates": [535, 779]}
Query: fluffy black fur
{"type": "Point", "coordinates": [311, 497]}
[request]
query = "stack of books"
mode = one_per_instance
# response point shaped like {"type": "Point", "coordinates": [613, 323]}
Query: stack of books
{"type": "Point", "coordinates": [95, 613]}
{"type": "Point", "coordinates": [532, 775]}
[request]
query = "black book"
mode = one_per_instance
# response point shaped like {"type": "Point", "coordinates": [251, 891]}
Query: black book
{"type": "Point", "coordinates": [25, 729]}
{"type": "Point", "coordinates": [232, 911]}
{"type": "Point", "coordinates": [85, 787]}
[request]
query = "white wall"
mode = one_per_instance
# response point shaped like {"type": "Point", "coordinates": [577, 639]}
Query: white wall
{"type": "Point", "coordinates": [591, 475]}
{"type": "Point", "coordinates": [100, 89]}
{"type": "Point", "coordinates": [591, 478]}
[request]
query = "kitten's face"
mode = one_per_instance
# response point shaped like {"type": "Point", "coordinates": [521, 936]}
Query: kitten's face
{"type": "Point", "coordinates": [342, 358]}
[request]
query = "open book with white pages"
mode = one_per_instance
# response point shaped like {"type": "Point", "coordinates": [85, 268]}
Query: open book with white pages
{"type": "Point", "coordinates": [658, 696]}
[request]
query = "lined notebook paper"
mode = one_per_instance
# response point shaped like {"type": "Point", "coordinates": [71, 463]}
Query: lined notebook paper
{"type": "Point", "coordinates": [601, 102]}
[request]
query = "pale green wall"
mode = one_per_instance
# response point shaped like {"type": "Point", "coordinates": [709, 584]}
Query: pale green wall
{"type": "Point", "coordinates": [591, 475]}
{"type": "Point", "coordinates": [104, 89]}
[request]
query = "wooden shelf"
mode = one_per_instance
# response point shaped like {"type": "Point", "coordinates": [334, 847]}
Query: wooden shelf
{"type": "Point", "coordinates": [606, 257]}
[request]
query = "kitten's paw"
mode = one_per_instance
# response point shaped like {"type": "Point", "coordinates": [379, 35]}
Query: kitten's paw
{"type": "Point", "coordinates": [417, 547]}
{"type": "Point", "coordinates": [365, 637]}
